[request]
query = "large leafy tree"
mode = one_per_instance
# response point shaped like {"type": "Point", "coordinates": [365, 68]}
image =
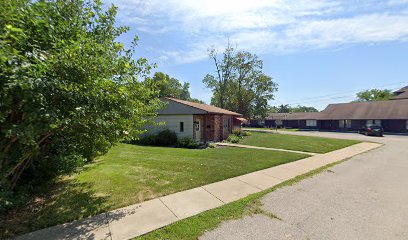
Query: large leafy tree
{"type": "Point", "coordinates": [374, 95]}
{"type": "Point", "coordinates": [221, 82]}
{"type": "Point", "coordinates": [68, 89]}
{"type": "Point", "coordinates": [240, 84]}
{"type": "Point", "coordinates": [171, 87]}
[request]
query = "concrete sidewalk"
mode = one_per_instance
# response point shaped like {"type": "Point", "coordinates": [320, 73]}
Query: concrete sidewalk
{"type": "Point", "coordinates": [142, 218]}
{"type": "Point", "coordinates": [264, 148]}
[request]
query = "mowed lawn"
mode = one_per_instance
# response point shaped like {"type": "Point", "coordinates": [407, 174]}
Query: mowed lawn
{"type": "Point", "coordinates": [130, 174]}
{"type": "Point", "coordinates": [294, 142]}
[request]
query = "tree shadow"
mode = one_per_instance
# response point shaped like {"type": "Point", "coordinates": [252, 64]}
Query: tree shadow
{"type": "Point", "coordinates": [69, 200]}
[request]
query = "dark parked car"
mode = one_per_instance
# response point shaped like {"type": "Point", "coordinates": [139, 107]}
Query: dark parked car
{"type": "Point", "coordinates": [372, 131]}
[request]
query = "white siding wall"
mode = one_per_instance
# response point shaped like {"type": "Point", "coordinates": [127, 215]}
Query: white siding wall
{"type": "Point", "coordinates": [172, 122]}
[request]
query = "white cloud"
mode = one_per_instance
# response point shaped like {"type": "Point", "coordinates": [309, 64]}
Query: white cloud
{"type": "Point", "coordinates": [397, 2]}
{"type": "Point", "coordinates": [265, 26]}
{"type": "Point", "coordinates": [365, 28]}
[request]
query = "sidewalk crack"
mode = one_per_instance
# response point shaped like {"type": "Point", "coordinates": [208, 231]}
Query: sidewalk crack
{"type": "Point", "coordinates": [212, 194]}
{"type": "Point", "coordinates": [169, 209]}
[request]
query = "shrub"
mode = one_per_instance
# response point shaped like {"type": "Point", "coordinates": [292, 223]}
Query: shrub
{"type": "Point", "coordinates": [241, 133]}
{"type": "Point", "coordinates": [233, 138]}
{"type": "Point", "coordinates": [237, 132]}
{"type": "Point", "coordinates": [146, 140]}
{"type": "Point", "coordinates": [212, 145]}
{"type": "Point", "coordinates": [246, 133]}
{"type": "Point", "coordinates": [69, 89]}
{"type": "Point", "coordinates": [166, 138]}
{"type": "Point", "coordinates": [187, 142]}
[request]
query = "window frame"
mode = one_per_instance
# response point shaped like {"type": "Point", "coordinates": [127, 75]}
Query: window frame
{"type": "Point", "coordinates": [311, 123]}
{"type": "Point", "coordinates": [373, 122]}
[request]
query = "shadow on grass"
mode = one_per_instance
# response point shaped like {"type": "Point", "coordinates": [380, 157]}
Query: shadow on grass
{"type": "Point", "coordinates": [67, 201]}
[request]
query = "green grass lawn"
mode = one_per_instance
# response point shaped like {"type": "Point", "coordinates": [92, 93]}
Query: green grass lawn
{"type": "Point", "coordinates": [129, 174]}
{"type": "Point", "coordinates": [298, 143]}
{"type": "Point", "coordinates": [274, 129]}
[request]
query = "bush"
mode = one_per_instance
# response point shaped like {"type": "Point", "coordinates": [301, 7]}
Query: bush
{"type": "Point", "coordinates": [233, 138]}
{"type": "Point", "coordinates": [246, 133]}
{"type": "Point", "coordinates": [69, 89]}
{"type": "Point", "coordinates": [241, 133]}
{"type": "Point", "coordinates": [163, 138]}
{"type": "Point", "coordinates": [212, 145]}
{"type": "Point", "coordinates": [166, 138]}
{"type": "Point", "coordinates": [187, 142]}
{"type": "Point", "coordinates": [146, 140]}
{"type": "Point", "coordinates": [237, 132]}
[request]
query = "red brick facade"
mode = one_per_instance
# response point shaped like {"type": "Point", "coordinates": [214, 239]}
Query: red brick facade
{"type": "Point", "coordinates": [215, 127]}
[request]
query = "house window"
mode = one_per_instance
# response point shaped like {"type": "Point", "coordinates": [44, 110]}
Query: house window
{"type": "Point", "coordinates": [373, 123]}
{"type": "Point", "coordinates": [344, 123]}
{"type": "Point", "coordinates": [181, 126]}
{"type": "Point", "coordinates": [311, 123]}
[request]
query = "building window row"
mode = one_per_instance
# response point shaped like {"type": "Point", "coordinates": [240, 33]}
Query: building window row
{"type": "Point", "coordinates": [373, 123]}
{"type": "Point", "coordinates": [311, 123]}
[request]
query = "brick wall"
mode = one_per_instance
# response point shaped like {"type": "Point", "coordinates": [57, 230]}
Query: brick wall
{"type": "Point", "coordinates": [215, 127]}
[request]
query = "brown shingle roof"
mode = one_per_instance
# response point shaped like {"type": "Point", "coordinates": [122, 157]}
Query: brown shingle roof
{"type": "Point", "coordinates": [401, 94]}
{"type": "Point", "coordinates": [294, 116]}
{"type": "Point", "coordinates": [205, 107]}
{"type": "Point", "coordinates": [404, 89]}
{"type": "Point", "coordinates": [395, 109]}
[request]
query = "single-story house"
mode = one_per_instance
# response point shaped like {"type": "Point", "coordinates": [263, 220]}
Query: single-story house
{"type": "Point", "coordinates": [200, 122]}
{"type": "Point", "coordinates": [392, 115]}
{"type": "Point", "coordinates": [302, 120]}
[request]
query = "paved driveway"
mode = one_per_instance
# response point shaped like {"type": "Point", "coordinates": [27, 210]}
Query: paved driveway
{"type": "Point", "coordinates": [363, 198]}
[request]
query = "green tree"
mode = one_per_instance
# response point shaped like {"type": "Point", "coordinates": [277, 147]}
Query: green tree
{"type": "Point", "coordinates": [284, 108]}
{"type": "Point", "coordinates": [239, 84]}
{"type": "Point", "coordinates": [171, 87]}
{"type": "Point", "coordinates": [69, 90]}
{"type": "Point", "coordinates": [220, 84]}
{"type": "Point", "coordinates": [374, 95]}
{"type": "Point", "coordinates": [196, 100]}
{"type": "Point", "coordinates": [303, 109]}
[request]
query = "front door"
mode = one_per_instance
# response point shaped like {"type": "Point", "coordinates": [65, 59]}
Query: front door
{"type": "Point", "coordinates": [197, 129]}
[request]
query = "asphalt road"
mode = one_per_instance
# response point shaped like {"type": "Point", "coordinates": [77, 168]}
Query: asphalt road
{"type": "Point", "coordinates": [365, 197]}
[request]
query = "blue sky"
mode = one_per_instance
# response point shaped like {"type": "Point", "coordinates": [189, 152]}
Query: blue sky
{"type": "Point", "coordinates": [318, 51]}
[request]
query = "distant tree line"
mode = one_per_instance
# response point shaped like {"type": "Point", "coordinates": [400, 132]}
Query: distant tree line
{"type": "Point", "coordinates": [285, 108]}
